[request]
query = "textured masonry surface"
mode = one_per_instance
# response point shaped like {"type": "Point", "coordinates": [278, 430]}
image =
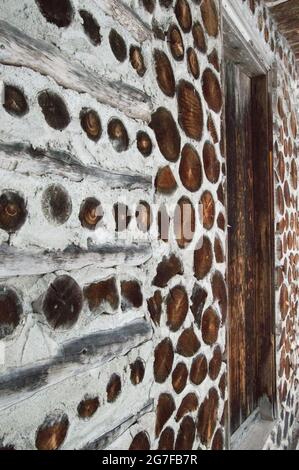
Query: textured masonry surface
{"type": "Point", "coordinates": [113, 343]}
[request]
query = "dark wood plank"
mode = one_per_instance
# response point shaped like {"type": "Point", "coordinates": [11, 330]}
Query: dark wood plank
{"type": "Point", "coordinates": [250, 399]}
{"type": "Point", "coordinates": [236, 246]}
{"type": "Point", "coordinates": [264, 242]}
{"type": "Point", "coordinates": [249, 129]}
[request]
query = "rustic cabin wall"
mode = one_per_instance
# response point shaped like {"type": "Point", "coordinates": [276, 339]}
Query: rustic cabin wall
{"type": "Point", "coordinates": [285, 164]}
{"type": "Point", "coordinates": [112, 334]}
{"type": "Point", "coordinates": [108, 104]}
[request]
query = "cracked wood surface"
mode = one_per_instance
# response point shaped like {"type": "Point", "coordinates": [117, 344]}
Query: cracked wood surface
{"type": "Point", "coordinates": [126, 18]}
{"type": "Point", "coordinates": [22, 158]}
{"type": "Point", "coordinates": [17, 262]}
{"type": "Point", "coordinates": [74, 357]}
{"type": "Point", "coordinates": [20, 50]}
{"type": "Point", "coordinates": [103, 441]}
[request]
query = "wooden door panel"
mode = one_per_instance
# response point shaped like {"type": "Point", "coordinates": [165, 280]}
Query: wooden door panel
{"type": "Point", "coordinates": [240, 243]}
{"type": "Point", "coordinates": [250, 249]}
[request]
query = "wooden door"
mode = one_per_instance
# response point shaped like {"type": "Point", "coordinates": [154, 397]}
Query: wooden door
{"type": "Point", "coordinates": [250, 247]}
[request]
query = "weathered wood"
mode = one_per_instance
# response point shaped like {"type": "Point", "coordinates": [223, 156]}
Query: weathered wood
{"type": "Point", "coordinates": [127, 18]}
{"type": "Point", "coordinates": [241, 43]}
{"type": "Point", "coordinates": [262, 155]}
{"type": "Point", "coordinates": [74, 357]}
{"type": "Point", "coordinates": [22, 158]}
{"type": "Point", "coordinates": [20, 50]}
{"type": "Point", "coordinates": [18, 262]}
{"type": "Point", "coordinates": [250, 242]}
{"type": "Point", "coordinates": [240, 245]}
{"type": "Point", "coordinates": [103, 441]}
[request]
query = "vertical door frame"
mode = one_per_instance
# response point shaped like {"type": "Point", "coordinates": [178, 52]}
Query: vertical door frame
{"type": "Point", "coordinates": [243, 44]}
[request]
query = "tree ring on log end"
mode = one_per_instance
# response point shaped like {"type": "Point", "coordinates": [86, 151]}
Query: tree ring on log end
{"type": "Point", "coordinates": [91, 124]}
{"type": "Point", "coordinates": [63, 302]}
{"type": "Point", "coordinates": [15, 102]}
{"type": "Point", "coordinates": [212, 90]}
{"type": "Point", "coordinates": [190, 110]}
{"type": "Point", "coordinates": [13, 212]}
{"type": "Point", "coordinates": [176, 43]}
{"type": "Point", "coordinates": [177, 307]}
{"type": "Point", "coordinates": [163, 362]}
{"type": "Point", "coordinates": [210, 17]}
{"type": "Point", "coordinates": [167, 134]}
{"type": "Point", "coordinates": [91, 213]}
{"type": "Point", "coordinates": [190, 170]}
{"type": "Point", "coordinates": [199, 369]}
{"type": "Point", "coordinates": [165, 182]}
{"type": "Point", "coordinates": [193, 64]}
{"type": "Point", "coordinates": [199, 38]}
{"type": "Point", "coordinates": [164, 73]}
{"type": "Point", "coordinates": [137, 60]}
{"type": "Point", "coordinates": [52, 433]}
{"type": "Point", "coordinates": [144, 143]}
{"type": "Point", "coordinates": [208, 210]}
{"type": "Point", "coordinates": [203, 258]}
{"type": "Point", "coordinates": [211, 163]}
{"type": "Point", "coordinates": [118, 135]}
{"type": "Point", "coordinates": [183, 15]}
{"type": "Point", "coordinates": [118, 45]}
{"type": "Point", "coordinates": [179, 377]}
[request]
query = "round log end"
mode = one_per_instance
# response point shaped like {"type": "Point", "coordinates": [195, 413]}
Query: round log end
{"type": "Point", "coordinates": [58, 12]}
{"type": "Point", "coordinates": [118, 135]}
{"type": "Point", "coordinates": [87, 407]}
{"type": "Point", "coordinates": [56, 204]}
{"type": "Point", "coordinates": [52, 433]}
{"type": "Point", "coordinates": [91, 27]}
{"type": "Point", "coordinates": [91, 124]}
{"type": "Point", "coordinates": [113, 388]}
{"type": "Point", "coordinates": [15, 102]}
{"type": "Point", "coordinates": [11, 311]}
{"type": "Point", "coordinates": [91, 213]}
{"type": "Point", "coordinates": [54, 110]}
{"type": "Point", "coordinates": [118, 45]}
{"type": "Point", "coordinates": [63, 302]}
{"type": "Point", "coordinates": [13, 212]}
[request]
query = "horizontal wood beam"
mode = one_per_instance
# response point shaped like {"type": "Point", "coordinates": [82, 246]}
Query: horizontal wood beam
{"type": "Point", "coordinates": [22, 158]}
{"type": "Point", "coordinates": [22, 262]}
{"type": "Point", "coordinates": [127, 18]}
{"type": "Point", "coordinates": [103, 441]}
{"type": "Point", "coordinates": [20, 50]}
{"type": "Point", "coordinates": [74, 357]}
